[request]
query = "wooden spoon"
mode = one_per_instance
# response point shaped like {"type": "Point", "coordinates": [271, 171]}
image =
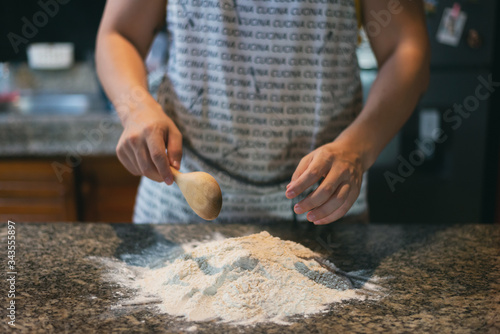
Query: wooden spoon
{"type": "Point", "coordinates": [202, 192]}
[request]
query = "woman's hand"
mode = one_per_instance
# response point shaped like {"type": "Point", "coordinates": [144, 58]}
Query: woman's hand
{"type": "Point", "coordinates": [342, 171]}
{"type": "Point", "coordinates": [148, 131]}
{"type": "Point", "coordinates": [125, 35]}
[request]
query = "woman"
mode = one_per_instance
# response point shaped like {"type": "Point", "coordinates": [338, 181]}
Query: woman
{"type": "Point", "coordinates": [258, 93]}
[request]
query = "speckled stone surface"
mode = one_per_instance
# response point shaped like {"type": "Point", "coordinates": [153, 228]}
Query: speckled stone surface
{"type": "Point", "coordinates": [93, 133]}
{"type": "Point", "coordinates": [440, 279]}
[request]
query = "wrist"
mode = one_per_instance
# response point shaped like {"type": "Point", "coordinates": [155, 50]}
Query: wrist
{"type": "Point", "coordinates": [359, 147]}
{"type": "Point", "coordinates": [131, 110]}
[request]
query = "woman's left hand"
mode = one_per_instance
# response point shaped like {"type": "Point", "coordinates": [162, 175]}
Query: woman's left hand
{"type": "Point", "coordinates": [342, 170]}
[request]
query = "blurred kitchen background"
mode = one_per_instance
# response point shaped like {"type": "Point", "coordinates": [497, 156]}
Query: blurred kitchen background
{"type": "Point", "coordinates": [58, 132]}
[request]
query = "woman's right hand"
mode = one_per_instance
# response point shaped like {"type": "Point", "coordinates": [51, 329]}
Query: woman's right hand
{"type": "Point", "coordinates": [147, 133]}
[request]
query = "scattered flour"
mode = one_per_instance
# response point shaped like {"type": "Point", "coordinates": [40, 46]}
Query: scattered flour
{"type": "Point", "coordinates": [246, 280]}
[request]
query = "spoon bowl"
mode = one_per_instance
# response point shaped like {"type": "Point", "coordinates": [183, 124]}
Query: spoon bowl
{"type": "Point", "coordinates": [202, 192]}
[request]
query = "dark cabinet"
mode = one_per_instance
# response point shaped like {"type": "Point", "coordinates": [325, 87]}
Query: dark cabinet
{"type": "Point", "coordinates": [98, 190]}
{"type": "Point", "coordinates": [31, 191]}
{"type": "Point", "coordinates": [108, 190]}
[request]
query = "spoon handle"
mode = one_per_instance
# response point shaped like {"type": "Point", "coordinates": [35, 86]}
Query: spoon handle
{"type": "Point", "coordinates": [175, 173]}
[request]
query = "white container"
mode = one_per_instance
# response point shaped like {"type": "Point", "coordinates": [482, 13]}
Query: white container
{"type": "Point", "coordinates": [50, 56]}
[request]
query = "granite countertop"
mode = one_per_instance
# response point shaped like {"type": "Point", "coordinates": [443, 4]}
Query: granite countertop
{"type": "Point", "coordinates": [439, 279]}
{"type": "Point", "coordinates": [87, 134]}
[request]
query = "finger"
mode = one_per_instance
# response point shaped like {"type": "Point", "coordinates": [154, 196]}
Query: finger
{"type": "Point", "coordinates": [128, 161]}
{"type": "Point", "coordinates": [325, 190]}
{"type": "Point", "coordinates": [174, 147]}
{"type": "Point", "coordinates": [146, 165]}
{"type": "Point", "coordinates": [301, 167]}
{"type": "Point", "coordinates": [340, 212]}
{"type": "Point", "coordinates": [156, 148]}
{"type": "Point", "coordinates": [333, 203]}
{"type": "Point", "coordinates": [313, 173]}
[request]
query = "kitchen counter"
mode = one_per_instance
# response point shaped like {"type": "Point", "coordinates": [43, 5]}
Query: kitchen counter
{"type": "Point", "coordinates": [439, 279]}
{"type": "Point", "coordinates": [88, 134]}
{"type": "Point", "coordinates": [59, 113]}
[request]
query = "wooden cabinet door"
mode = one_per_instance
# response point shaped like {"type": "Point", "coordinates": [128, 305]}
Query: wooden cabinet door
{"type": "Point", "coordinates": [31, 191]}
{"type": "Point", "coordinates": [108, 190]}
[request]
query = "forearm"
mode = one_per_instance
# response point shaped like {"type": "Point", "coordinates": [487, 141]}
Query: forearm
{"type": "Point", "coordinates": [125, 35]}
{"type": "Point", "coordinates": [399, 84]}
{"type": "Point", "coordinates": [122, 73]}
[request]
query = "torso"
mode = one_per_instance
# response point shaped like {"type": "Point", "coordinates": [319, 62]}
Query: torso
{"type": "Point", "coordinates": [254, 86]}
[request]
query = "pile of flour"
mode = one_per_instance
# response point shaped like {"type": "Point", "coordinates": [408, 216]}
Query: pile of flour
{"type": "Point", "coordinates": [246, 280]}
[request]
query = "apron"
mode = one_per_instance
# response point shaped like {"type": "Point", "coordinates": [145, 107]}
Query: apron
{"type": "Point", "coordinates": [254, 86]}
